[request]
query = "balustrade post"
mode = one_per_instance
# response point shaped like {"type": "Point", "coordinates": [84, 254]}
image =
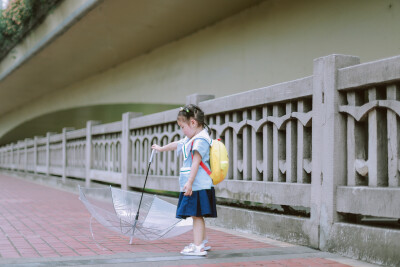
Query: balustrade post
{"type": "Point", "coordinates": [246, 148]}
{"type": "Point", "coordinates": [126, 147]}
{"type": "Point", "coordinates": [392, 93]}
{"type": "Point", "coordinates": [12, 157]}
{"type": "Point", "coordinates": [355, 151]}
{"type": "Point", "coordinates": [236, 151]}
{"type": "Point", "coordinates": [303, 145]}
{"type": "Point", "coordinates": [48, 135]}
{"type": "Point", "coordinates": [64, 152]}
{"type": "Point", "coordinates": [256, 148]}
{"type": "Point", "coordinates": [47, 153]}
{"type": "Point", "coordinates": [328, 146]}
{"type": "Point", "coordinates": [377, 147]}
{"type": "Point", "coordinates": [18, 156]}
{"type": "Point", "coordinates": [7, 158]}
{"type": "Point", "coordinates": [267, 148]}
{"type": "Point", "coordinates": [35, 153]}
{"type": "Point", "coordinates": [89, 150]}
{"type": "Point", "coordinates": [291, 147]}
{"type": "Point", "coordinates": [26, 155]}
{"type": "Point", "coordinates": [278, 147]}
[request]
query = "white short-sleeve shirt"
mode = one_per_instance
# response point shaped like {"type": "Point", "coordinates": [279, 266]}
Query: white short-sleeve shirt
{"type": "Point", "coordinates": [201, 144]}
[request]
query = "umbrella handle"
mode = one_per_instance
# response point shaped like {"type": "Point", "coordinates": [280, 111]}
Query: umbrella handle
{"type": "Point", "coordinates": [152, 154]}
{"type": "Point", "coordinates": [144, 186]}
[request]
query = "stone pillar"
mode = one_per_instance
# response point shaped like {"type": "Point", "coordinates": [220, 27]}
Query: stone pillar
{"type": "Point", "coordinates": [328, 139]}
{"type": "Point", "coordinates": [64, 152]}
{"type": "Point", "coordinates": [89, 150]}
{"type": "Point", "coordinates": [126, 147]}
{"type": "Point", "coordinates": [197, 98]}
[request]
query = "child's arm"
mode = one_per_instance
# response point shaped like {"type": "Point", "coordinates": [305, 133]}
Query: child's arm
{"type": "Point", "coordinates": [193, 172]}
{"type": "Point", "coordinates": [168, 147]}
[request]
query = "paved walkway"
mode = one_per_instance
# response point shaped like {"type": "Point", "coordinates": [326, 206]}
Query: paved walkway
{"type": "Point", "coordinates": [46, 226]}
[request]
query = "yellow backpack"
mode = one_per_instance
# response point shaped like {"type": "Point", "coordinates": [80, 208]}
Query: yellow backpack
{"type": "Point", "coordinates": [219, 161]}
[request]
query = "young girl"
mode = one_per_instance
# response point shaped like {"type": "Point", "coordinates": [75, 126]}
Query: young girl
{"type": "Point", "coordinates": [197, 195]}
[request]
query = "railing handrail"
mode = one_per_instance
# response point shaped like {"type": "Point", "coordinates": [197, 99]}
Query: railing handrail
{"type": "Point", "coordinates": [349, 78]}
{"type": "Point", "coordinates": [281, 92]}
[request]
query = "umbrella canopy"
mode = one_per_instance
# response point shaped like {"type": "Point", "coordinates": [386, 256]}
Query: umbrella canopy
{"type": "Point", "coordinates": [117, 211]}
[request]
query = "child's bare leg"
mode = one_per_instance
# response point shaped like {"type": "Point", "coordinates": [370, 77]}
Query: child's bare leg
{"type": "Point", "coordinates": [198, 230]}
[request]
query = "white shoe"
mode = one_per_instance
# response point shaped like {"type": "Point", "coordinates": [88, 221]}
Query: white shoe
{"type": "Point", "coordinates": [205, 241]}
{"type": "Point", "coordinates": [193, 250]}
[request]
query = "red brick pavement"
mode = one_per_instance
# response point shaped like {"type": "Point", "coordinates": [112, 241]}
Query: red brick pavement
{"type": "Point", "coordinates": [37, 221]}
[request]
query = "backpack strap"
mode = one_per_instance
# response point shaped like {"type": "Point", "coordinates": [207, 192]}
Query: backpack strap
{"type": "Point", "coordinates": [201, 163]}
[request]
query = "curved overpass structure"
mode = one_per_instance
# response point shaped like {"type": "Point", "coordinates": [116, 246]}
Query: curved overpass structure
{"type": "Point", "coordinates": [116, 53]}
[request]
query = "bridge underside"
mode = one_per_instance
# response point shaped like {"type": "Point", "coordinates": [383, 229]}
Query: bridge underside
{"type": "Point", "coordinates": [84, 38]}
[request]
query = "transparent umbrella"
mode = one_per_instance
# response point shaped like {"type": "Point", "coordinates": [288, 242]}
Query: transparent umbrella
{"type": "Point", "coordinates": [133, 214]}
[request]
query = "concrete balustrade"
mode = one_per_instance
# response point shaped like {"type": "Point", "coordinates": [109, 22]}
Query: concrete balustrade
{"type": "Point", "coordinates": [328, 144]}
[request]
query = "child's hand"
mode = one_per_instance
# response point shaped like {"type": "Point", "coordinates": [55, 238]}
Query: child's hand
{"type": "Point", "coordinates": [157, 147]}
{"type": "Point", "coordinates": [187, 189]}
{"type": "Point", "coordinates": [167, 147]}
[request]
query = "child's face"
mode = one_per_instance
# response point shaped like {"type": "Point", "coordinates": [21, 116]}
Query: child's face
{"type": "Point", "coordinates": [189, 127]}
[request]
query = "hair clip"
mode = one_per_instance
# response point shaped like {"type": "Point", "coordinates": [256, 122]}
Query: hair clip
{"type": "Point", "coordinates": [184, 109]}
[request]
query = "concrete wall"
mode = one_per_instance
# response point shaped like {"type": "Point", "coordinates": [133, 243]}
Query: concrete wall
{"type": "Point", "coordinates": [270, 43]}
